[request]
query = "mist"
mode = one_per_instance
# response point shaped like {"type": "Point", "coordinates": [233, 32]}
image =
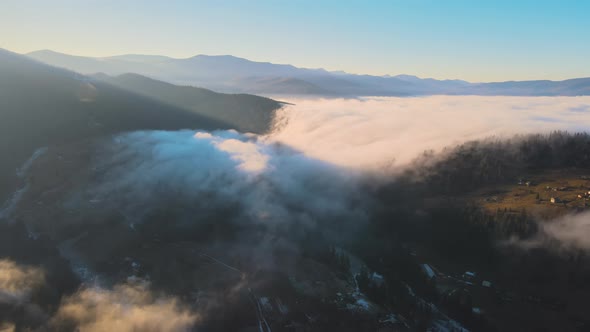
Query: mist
{"type": "Point", "coordinates": [18, 282]}
{"type": "Point", "coordinates": [311, 169]}
{"type": "Point", "coordinates": [130, 306]}
{"type": "Point", "coordinates": [568, 233]}
{"type": "Point", "coordinates": [388, 132]}
{"type": "Point", "coordinates": [125, 307]}
{"type": "Point", "coordinates": [240, 176]}
{"type": "Point", "coordinates": [573, 230]}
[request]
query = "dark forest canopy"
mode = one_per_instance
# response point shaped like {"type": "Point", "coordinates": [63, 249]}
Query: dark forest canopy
{"type": "Point", "coordinates": [496, 160]}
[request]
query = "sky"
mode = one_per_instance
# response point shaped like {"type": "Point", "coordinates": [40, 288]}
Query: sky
{"type": "Point", "coordinates": [485, 40]}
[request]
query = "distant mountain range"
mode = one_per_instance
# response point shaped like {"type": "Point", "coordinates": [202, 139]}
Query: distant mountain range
{"type": "Point", "coordinates": [236, 75]}
{"type": "Point", "coordinates": [42, 105]}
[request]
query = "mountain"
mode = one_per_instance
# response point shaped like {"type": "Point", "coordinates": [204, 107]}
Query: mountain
{"type": "Point", "coordinates": [236, 75]}
{"type": "Point", "coordinates": [245, 113]}
{"type": "Point", "coordinates": [43, 105]}
{"type": "Point", "coordinates": [572, 87]}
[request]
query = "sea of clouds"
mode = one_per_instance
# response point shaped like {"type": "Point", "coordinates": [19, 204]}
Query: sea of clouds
{"type": "Point", "coordinates": [377, 132]}
{"type": "Point", "coordinates": [312, 165]}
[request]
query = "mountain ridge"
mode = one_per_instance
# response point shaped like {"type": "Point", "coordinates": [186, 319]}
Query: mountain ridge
{"type": "Point", "coordinates": [228, 73]}
{"type": "Point", "coordinates": [43, 105]}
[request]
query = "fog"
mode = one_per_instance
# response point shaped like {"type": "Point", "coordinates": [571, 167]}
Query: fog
{"type": "Point", "coordinates": [18, 282]}
{"type": "Point", "coordinates": [126, 307]}
{"type": "Point", "coordinates": [222, 172]}
{"type": "Point", "coordinates": [571, 232]}
{"type": "Point", "coordinates": [373, 133]}
{"type": "Point", "coordinates": [311, 167]}
{"type": "Point", "coordinates": [18, 285]}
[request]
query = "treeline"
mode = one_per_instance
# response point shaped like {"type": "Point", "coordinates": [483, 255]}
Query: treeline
{"type": "Point", "coordinates": [491, 161]}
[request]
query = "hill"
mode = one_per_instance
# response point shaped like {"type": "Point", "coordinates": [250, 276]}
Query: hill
{"type": "Point", "coordinates": [228, 73]}
{"type": "Point", "coordinates": [245, 113]}
{"type": "Point", "coordinates": [43, 105]}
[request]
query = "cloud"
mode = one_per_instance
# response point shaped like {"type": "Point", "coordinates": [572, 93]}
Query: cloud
{"type": "Point", "coordinates": [311, 167]}
{"type": "Point", "coordinates": [372, 133]}
{"type": "Point", "coordinates": [262, 181]}
{"type": "Point", "coordinates": [127, 307]}
{"type": "Point", "coordinates": [247, 153]}
{"type": "Point", "coordinates": [571, 232]}
{"type": "Point", "coordinates": [17, 282]}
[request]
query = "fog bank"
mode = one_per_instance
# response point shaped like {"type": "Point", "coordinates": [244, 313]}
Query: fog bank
{"type": "Point", "coordinates": [372, 133]}
{"type": "Point", "coordinates": [221, 173]}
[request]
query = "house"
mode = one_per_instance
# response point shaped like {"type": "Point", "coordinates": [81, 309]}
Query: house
{"type": "Point", "coordinates": [377, 279]}
{"type": "Point", "coordinates": [428, 271]}
{"type": "Point", "coordinates": [469, 275]}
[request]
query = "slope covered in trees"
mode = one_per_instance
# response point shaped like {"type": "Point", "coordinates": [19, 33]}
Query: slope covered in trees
{"type": "Point", "coordinates": [245, 113]}
{"type": "Point", "coordinates": [43, 105]}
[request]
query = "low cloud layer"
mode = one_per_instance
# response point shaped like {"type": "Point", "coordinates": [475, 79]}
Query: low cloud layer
{"type": "Point", "coordinates": [571, 232]}
{"type": "Point", "coordinates": [262, 182]}
{"type": "Point", "coordinates": [123, 308]}
{"type": "Point", "coordinates": [17, 282]}
{"type": "Point", "coordinates": [308, 169]}
{"type": "Point", "coordinates": [372, 133]}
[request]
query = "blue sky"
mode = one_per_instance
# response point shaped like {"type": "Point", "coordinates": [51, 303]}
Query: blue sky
{"type": "Point", "coordinates": [474, 40]}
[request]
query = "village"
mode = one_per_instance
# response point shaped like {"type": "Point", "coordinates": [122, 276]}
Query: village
{"type": "Point", "coordinates": [550, 194]}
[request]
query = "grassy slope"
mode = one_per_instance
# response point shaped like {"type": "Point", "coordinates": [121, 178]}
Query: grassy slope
{"type": "Point", "coordinates": [565, 184]}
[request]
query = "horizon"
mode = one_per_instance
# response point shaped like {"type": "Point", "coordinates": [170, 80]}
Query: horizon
{"type": "Point", "coordinates": [284, 64]}
{"type": "Point", "coordinates": [491, 42]}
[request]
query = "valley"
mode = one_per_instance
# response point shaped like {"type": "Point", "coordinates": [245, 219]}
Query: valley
{"type": "Point", "coordinates": [294, 166]}
{"type": "Point", "coordinates": [394, 275]}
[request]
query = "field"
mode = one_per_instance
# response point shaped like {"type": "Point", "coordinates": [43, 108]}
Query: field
{"type": "Point", "coordinates": [545, 194]}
